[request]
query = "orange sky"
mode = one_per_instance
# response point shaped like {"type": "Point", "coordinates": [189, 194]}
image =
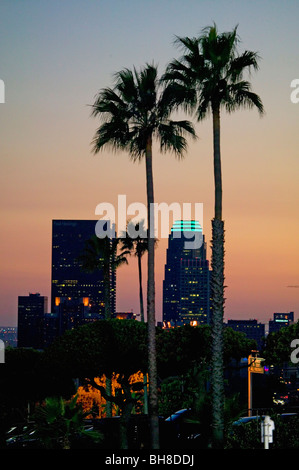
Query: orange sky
{"type": "Point", "coordinates": [54, 61]}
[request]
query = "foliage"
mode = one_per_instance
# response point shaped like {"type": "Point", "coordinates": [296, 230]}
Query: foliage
{"type": "Point", "coordinates": [101, 347]}
{"type": "Point", "coordinates": [236, 345]}
{"type": "Point", "coordinates": [248, 435]}
{"type": "Point", "coordinates": [24, 378]}
{"type": "Point", "coordinates": [278, 344]}
{"type": "Point", "coordinates": [179, 348]}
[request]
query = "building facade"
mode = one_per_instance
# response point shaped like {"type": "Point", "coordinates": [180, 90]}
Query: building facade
{"type": "Point", "coordinates": [31, 311]}
{"type": "Point", "coordinates": [68, 280]}
{"type": "Point", "coordinates": [186, 285]}
{"type": "Point", "coordinates": [280, 320]}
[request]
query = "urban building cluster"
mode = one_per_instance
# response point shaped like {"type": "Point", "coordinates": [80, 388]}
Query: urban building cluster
{"type": "Point", "coordinates": [77, 296]}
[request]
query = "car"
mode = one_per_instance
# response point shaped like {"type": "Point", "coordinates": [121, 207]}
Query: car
{"type": "Point", "coordinates": [20, 436]}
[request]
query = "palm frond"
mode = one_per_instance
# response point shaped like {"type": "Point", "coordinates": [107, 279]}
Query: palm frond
{"type": "Point", "coordinates": [241, 96]}
{"type": "Point", "coordinates": [171, 139]}
{"type": "Point", "coordinates": [133, 110]}
{"type": "Point", "coordinates": [246, 61]}
{"type": "Point", "coordinates": [204, 75]}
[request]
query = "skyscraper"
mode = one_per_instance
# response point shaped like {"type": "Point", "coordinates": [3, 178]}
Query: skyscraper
{"type": "Point", "coordinates": [186, 285]}
{"type": "Point", "coordinates": [68, 278]}
{"type": "Point", "coordinates": [31, 311]}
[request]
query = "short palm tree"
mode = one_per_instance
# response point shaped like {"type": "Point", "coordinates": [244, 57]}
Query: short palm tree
{"type": "Point", "coordinates": [138, 245]}
{"type": "Point", "coordinates": [57, 422]}
{"type": "Point", "coordinates": [135, 113]}
{"type": "Point", "coordinates": [208, 78]}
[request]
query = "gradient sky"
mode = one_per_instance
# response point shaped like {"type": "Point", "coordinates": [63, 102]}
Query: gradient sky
{"type": "Point", "coordinates": [55, 56]}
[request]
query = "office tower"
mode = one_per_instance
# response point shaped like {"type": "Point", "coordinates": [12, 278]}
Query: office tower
{"type": "Point", "coordinates": [186, 285]}
{"type": "Point", "coordinates": [50, 329]}
{"type": "Point", "coordinates": [68, 278]}
{"type": "Point", "coordinates": [31, 310]}
{"type": "Point", "coordinates": [280, 320]}
{"type": "Point", "coordinates": [251, 328]}
{"type": "Point", "coordinates": [71, 312]}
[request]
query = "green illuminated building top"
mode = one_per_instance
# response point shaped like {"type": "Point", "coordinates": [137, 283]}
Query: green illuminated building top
{"type": "Point", "coordinates": [186, 226]}
{"type": "Point", "coordinates": [186, 285]}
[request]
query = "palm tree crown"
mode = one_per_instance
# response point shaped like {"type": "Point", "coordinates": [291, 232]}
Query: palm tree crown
{"type": "Point", "coordinates": [210, 73]}
{"type": "Point", "coordinates": [136, 110]}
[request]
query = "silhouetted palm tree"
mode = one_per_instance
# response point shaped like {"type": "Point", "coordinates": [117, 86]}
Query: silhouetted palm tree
{"type": "Point", "coordinates": [138, 245]}
{"type": "Point", "coordinates": [208, 78]}
{"type": "Point", "coordinates": [135, 113]}
{"type": "Point", "coordinates": [57, 422]}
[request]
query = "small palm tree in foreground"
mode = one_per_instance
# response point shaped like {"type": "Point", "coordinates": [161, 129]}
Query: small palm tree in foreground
{"type": "Point", "coordinates": [57, 422]}
{"type": "Point", "coordinates": [208, 78]}
{"type": "Point", "coordinates": [135, 113]}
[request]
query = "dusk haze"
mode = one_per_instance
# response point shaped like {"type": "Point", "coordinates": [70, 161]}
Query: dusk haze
{"type": "Point", "coordinates": [54, 59]}
{"type": "Point", "coordinates": [149, 279]}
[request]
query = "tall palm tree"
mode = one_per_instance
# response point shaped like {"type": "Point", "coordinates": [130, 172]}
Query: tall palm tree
{"type": "Point", "coordinates": [135, 113]}
{"type": "Point", "coordinates": [206, 79]}
{"type": "Point", "coordinates": [101, 254]}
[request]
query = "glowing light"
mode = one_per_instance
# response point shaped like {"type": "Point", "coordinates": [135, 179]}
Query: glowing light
{"type": "Point", "coordinates": [186, 226]}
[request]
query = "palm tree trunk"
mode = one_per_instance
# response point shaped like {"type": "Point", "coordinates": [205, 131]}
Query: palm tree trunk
{"type": "Point", "coordinates": [217, 292]}
{"type": "Point", "coordinates": [151, 320]}
{"type": "Point", "coordinates": [217, 163]}
{"type": "Point", "coordinates": [145, 397]}
{"type": "Point", "coordinates": [125, 415]}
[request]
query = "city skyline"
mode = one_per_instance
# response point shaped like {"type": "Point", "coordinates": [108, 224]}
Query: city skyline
{"type": "Point", "coordinates": [54, 60]}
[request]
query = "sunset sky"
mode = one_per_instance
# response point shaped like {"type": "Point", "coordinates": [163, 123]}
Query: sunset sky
{"type": "Point", "coordinates": [54, 58]}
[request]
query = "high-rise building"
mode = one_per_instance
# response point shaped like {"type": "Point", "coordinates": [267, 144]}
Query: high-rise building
{"type": "Point", "coordinates": [71, 313]}
{"type": "Point", "coordinates": [68, 278]}
{"type": "Point", "coordinates": [186, 285]}
{"type": "Point", "coordinates": [280, 320]}
{"type": "Point", "coordinates": [31, 310]}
